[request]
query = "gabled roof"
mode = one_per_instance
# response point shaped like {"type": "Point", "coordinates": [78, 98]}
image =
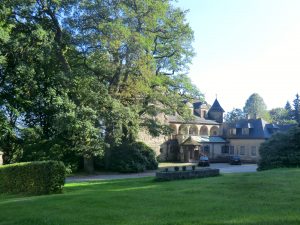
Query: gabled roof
{"type": "Point", "coordinates": [190, 141]}
{"type": "Point", "coordinates": [216, 107]}
{"type": "Point", "coordinates": [198, 140]}
{"type": "Point", "coordinates": [194, 120]}
{"type": "Point", "coordinates": [258, 129]}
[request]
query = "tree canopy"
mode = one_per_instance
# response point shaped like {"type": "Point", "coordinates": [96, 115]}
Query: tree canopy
{"type": "Point", "coordinates": [234, 115]}
{"type": "Point", "coordinates": [256, 107]}
{"type": "Point", "coordinates": [73, 70]}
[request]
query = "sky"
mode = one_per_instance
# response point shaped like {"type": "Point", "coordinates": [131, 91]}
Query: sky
{"type": "Point", "coordinates": [244, 47]}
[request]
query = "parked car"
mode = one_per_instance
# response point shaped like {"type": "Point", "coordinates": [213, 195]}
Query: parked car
{"type": "Point", "coordinates": [235, 160]}
{"type": "Point", "coordinates": [203, 161]}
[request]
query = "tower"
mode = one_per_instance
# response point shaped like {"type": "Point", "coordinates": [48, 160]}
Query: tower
{"type": "Point", "coordinates": [216, 112]}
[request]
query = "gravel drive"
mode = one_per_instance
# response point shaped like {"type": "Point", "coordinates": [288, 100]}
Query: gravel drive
{"type": "Point", "coordinates": [224, 168]}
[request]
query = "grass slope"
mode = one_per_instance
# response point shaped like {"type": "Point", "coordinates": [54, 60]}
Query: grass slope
{"type": "Point", "coordinates": [270, 197]}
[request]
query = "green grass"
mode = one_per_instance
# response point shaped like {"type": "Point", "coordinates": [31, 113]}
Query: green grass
{"type": "Point", "coordinates": [271, 197]}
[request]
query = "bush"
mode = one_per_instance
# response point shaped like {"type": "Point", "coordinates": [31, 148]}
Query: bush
{"type": "Point", "coordinates": [184, 168]}
{"type": "Point", "coordinates": [43, 177]}
{"type": "Point", "coordinates": [281, 150]}
{"type": "Point", "coordinates": [176, 168]}
{"type": "Point", "coordinates": [193, 167]}
{"type": "Point", "coordinates": [132, 157]}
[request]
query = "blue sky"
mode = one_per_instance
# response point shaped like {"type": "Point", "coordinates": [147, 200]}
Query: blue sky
{"type": "Point", "coordinates": [245, 47]}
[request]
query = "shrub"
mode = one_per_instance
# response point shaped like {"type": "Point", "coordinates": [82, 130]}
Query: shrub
{"type": "Point", "coordinates": [176, 168]}
{"type": "Point", "coordinates": [41, 177]}
{"type": "Point", "coordinates": [184, 168]}
{"type": "Point", "coordinates": [281, 150]}
{"type": "Point", "coordinates": [193, 167]}
{"type": "Point", "coordinates": [132, 157]}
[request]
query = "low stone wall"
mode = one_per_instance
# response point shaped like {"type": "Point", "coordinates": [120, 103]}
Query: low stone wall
{"type": "Point", "coordinates": [188, 174]}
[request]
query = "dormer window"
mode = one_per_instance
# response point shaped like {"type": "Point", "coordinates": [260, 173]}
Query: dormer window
{"type": "Point", "coordinates": [245, 131]}
{"type": "Point", "coordinates": [232, 131]}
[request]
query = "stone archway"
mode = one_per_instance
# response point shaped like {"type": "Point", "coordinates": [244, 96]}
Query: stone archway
{"type": "Point", "coordinates": [183, 129]}
{"type": "Point", "coordinates": [214, 131]}
{"type": "Point", "coordinates": [193, 130]}
{"type": "Point", "coordinates": [204, 131]}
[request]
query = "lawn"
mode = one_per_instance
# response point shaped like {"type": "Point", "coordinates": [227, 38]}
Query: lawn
{"type": "Point", "coordinates": [271, 197]}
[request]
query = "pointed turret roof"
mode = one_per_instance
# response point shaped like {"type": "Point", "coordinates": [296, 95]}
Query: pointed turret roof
{"type": "Point", "coordinates": [216, 107]}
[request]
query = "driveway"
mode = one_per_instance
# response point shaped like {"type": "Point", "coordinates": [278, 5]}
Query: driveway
{"type": "Point", "coordinates": [224, 168]}
{"type": "Point", "coordinates": [227, 168]}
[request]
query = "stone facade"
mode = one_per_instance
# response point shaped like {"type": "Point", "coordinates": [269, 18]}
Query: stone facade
{"type": "Point", "coordinates": [206, 134]}
{"type": "Point", "coordinates": [201, 128]}
{"type": "Point", "coordinates": [247, 149]}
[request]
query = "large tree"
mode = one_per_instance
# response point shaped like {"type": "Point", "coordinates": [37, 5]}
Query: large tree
{"type": "Point", "coordinates": [296, 104]}
{"type": "Point", "coordinates": [69, 67]}
{"type": "Point", "coordinates": [255, 107]}
{"type": "Point", "coordinates": [234, 115]}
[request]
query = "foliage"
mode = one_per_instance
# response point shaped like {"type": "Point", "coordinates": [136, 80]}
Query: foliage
{"type": "Point", "coordinates": [234, 115]}
{"type": "Point", "coordinates": [289, 109]}
{"type": "Point", "coordinates": [72, 71]}
{"type": "Point", "coordinates": [132, 157]}
{"type": "Point", "coordinates": [296, 104]}
{"type": "Point", "coordinates": [44, 177]}
{"type": "Point", "coordinates": [281, 116]}
{"type": "Point", "coordinates": [281, 150]}
{"type": "Point", "coordinates": [255, 107]}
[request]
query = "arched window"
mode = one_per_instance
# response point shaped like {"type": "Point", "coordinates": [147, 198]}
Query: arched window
{"type": "Point", "coordinates": [214, 131]}
{"type": "Point", "coordinates": [193, 130]}
{"type": "Point", "coordinates": [204, 131]}
{"type": "Point", "coordinates": [183, 129]}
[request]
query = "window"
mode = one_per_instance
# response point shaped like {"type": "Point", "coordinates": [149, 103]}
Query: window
{"type": "Point", "coordinates": [245, 131]}
{"type": "Point", "coordinates": [225, 149]}
{"type": "Point", "coordinates": [242, 150]}
{"type": "Point", "coordinates": [251, 131]}
{"type": "Point", "coordinates": [253, 150]}
{"type": "Point", "coordinates": [238, 131]}
{"type": "Point", "coordinates": [231, 150]}
{"type": "Point", "coordinates": [232, 131]}
{"type": "Point", "coordinates": [206, 148]}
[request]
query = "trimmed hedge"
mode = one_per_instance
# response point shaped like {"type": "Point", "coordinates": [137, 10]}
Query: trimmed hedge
{"type": "Point", "coordinates": [41, 177]}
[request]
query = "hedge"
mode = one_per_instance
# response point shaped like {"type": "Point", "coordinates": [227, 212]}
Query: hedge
{"type": "Point", "coordinates": [40, 177]}
{"type": "Point", "coordinates": [132, 157]}
{"type": "Point", "coordinates": [281, 150]}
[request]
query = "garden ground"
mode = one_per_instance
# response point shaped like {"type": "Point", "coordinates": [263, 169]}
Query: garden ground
{"type": "Point", "coordinates": [224, 168]}
{"type": "Point", "coordinates": [269, 197]}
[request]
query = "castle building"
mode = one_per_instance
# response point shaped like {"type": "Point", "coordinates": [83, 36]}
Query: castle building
{"type": "Point", "coordinates": [206, 134]}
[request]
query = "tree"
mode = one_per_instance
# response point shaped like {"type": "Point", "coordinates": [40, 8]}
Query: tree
{"type": "Point", "coordinates": [289, 109]}
{"type": "Point", "coordinates": [234, 115]}
{"type": "Point", "coordinates": [256, 107]}
{"type": "Point", "coordinates": [281, 150]}
{"type": "Point", "coordinates": [65, 72]}
{"type": "Point", "coordinates": [296, 104]}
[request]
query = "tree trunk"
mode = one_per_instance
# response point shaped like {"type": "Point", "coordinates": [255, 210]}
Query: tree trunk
{"type": "Point", "coordinates": [89, 164]}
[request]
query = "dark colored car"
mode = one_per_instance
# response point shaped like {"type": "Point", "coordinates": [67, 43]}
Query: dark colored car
{"type": "Point", "coordinates": [203, 161]}
{"type": "Point", "coordinates": [235, 160]}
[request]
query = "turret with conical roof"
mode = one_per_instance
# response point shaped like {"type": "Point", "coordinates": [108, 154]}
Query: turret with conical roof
{"type": "Point", "coordinates": [216, 112]}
